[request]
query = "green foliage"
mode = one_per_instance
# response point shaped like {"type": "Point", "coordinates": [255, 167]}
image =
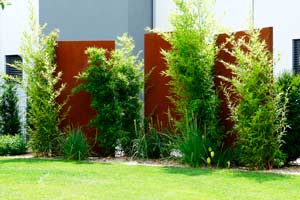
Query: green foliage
{"type": "Point", "coordinates": [76, 146]}
{"type": "Point", "coordinates": [12, 145]}
{"type": "Point", "coordinates": [190, 66]}
{"type": "Point", "coordinates": [151, 143]}
{"type": "Point", "coordinates": [256, 110]}
{"type": "Point", "coordinates": [115, 85]}
{"type": "Point", "coordinates": [42, 88]}
{"type": "Point", "coordinates": [290, 85]}
{"type": "Point", "coordinates": [4, 3]}
{"type": "Point", "coordinates": [9, 111]}
{"type": "Point", "coordinates": [194, 143]}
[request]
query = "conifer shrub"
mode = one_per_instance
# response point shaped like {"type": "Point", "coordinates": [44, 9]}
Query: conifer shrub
{"type": "Point", "coordinates": [9, 110]}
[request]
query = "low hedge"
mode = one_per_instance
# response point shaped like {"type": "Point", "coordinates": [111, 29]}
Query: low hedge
{"type": "Point", "coordinates": [12, 145]}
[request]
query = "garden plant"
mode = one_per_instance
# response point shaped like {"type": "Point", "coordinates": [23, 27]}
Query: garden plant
{"type": "Point", "coordinates": [152, 142]}
{"type": "Point", "coordinates": [12, 145]}
{"type": "Point", "coordinates": [9, 109]}
{"type": "Point", "coordinates": [289, 84]}
{"type": "Point", "coordinates": [115, 85]}
{"type": "Point", "coordinates": [75, 145]}
{"type": "Point", "coordinates": [190, 64]}
{"type": "Point", "coordinates": [42, 85]}
{"type": "Point", "coordinates": [258, 112]}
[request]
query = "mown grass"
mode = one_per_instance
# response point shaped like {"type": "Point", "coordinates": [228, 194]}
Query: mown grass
{"type": "Point", "coordinates": [55, 179]}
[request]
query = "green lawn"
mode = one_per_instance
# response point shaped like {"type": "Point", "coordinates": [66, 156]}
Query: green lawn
{"type": "Point", "coordinates": [50, 179]}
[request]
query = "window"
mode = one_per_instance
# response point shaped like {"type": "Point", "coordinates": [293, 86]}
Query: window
{"type": "Point", "coordinates": [11, 59]}
{"type": "Point", "coordinates": [296, 56]}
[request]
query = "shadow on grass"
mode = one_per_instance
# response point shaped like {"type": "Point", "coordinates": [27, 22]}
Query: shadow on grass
{"type": "Point", "coordinates": [189, 171]}
{"type": "Point", "coordinates": [260, 177]}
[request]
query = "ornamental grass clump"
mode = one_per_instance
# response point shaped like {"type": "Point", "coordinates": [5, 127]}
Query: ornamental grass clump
{"type": "Point", "coordinates": [258, 112]}
{"type": "Point", "coordinates": [194, 143]}
{"type": "Point", "coordinates": [190, 65]}
{"type": "Point", "coordinates": [75, 146]}
{"type": "Point", "coordinates": [150, 142]}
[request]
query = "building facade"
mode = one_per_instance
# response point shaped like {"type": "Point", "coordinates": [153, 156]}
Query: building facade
{"type": "Point", "coordinates": [235, 14]}
{"type": "Point", "coordinates": [105, 20]}
{"type": "Point", "coordinates": [76, 20]}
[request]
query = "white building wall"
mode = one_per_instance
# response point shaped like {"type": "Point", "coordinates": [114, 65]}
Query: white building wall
{"type": "Point", "coordinates": [284, 17]}
{"type": "Point", "coordinates": [281, 15]}
{"type": "Point", "coordinates": [161, 12]}
{"type": "Point", "coordinates": [13, 21]}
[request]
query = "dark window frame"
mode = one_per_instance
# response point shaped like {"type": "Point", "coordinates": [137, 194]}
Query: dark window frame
{"type": "Point", "coordinates": [10, 70]}
{"type": "Point", "coordinates": [296, 56]}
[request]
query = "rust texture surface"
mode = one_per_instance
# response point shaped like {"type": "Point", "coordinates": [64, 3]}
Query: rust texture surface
{"type": "Point", "coordinates": [72, 60]}
{"type": "Point", "coordinates": [156, 88]}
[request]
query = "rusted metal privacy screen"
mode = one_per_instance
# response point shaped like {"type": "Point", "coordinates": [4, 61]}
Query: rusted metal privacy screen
{"type": "Point", "coordinates": [157, 103]}
{"type": "Point", "coordinates": [71, 60]}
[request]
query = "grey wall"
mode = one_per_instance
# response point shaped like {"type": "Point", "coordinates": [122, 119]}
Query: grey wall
{"type": "Point", "coordinates": [97, 19]}
{"type": "Point", "coordinates": [140, 16]}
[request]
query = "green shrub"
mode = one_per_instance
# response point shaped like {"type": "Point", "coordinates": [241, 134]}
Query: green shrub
{"type": "Point", "coordinates": [12, 145]}
{"type": "Point", "coordinates": [258, 113]}
{"type": "Point", "coordinates": [115, 85]}
{"type": "Point", "coordinates": [42, 85]}
{"type": "Point", "coordinates": [76, 146]}
{"type": "Point", "coordinates": [9, 111]}
{"type": "Point", "coordinates": [190, 65]}
{"type": "Point", "coordinates": [290, 85]}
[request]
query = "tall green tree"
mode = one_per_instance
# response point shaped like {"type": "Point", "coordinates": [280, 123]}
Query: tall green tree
{"type": "Point", "coordinates": [9, 110]}
{"type": "Point", "coordinates": [190, 65]}
{"type": "Point", "coordinates": [259, 114]}
{"type": "Point", "coordinates": [42, 84]}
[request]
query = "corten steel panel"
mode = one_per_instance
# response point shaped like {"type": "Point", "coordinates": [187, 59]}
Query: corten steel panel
{"type": "Point", "coordinates": [72, 60]}
{"type": "Point", "coordinates": [156, 88]}
{"type": "Point", "coordinates": [221, 70]}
